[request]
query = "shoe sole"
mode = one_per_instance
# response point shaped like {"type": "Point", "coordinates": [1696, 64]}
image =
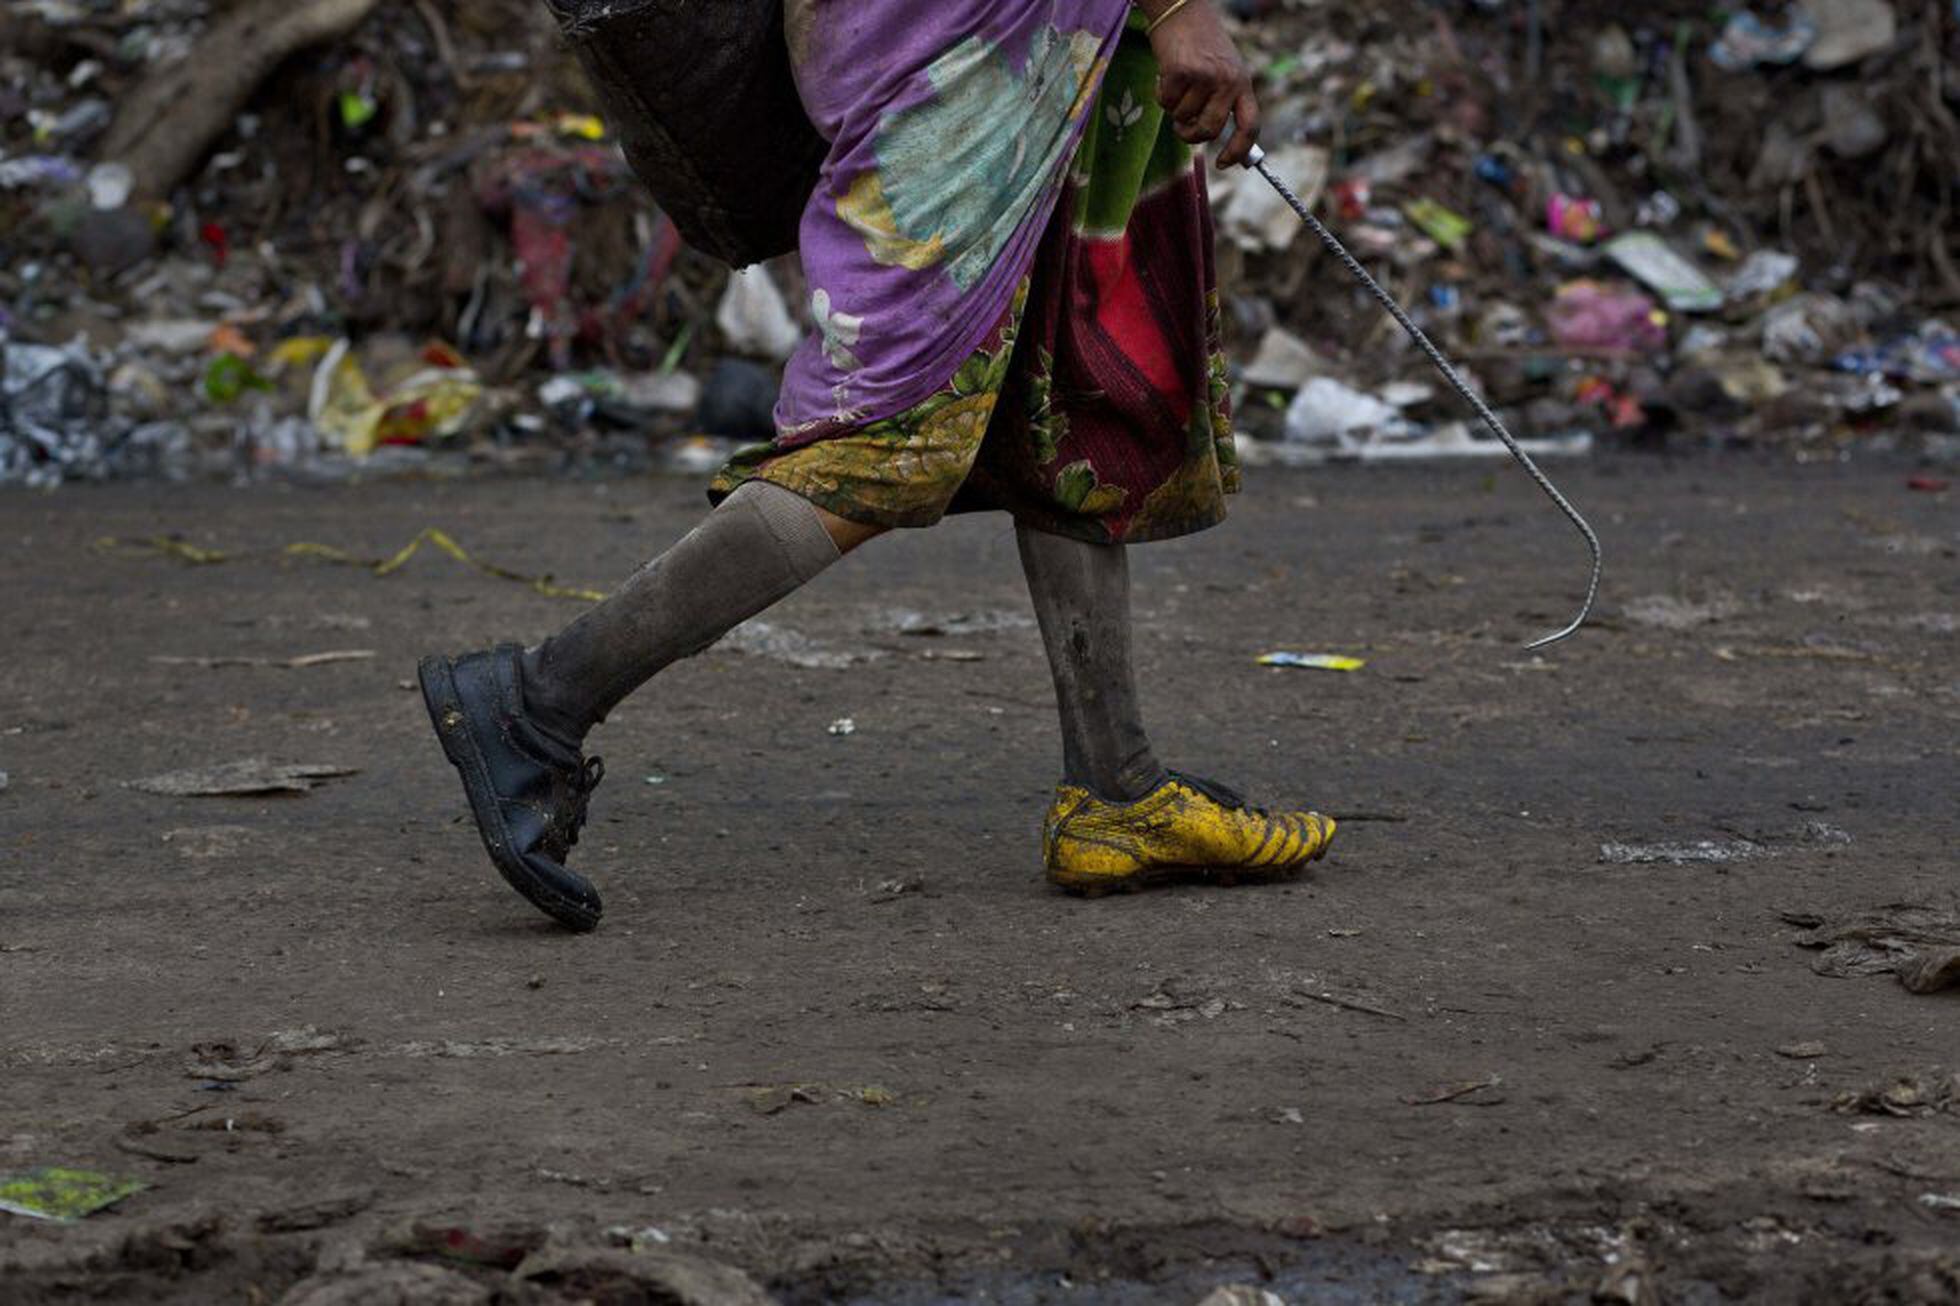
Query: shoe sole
{"type": "Point", "coordinates": [1097, 886]}
{"type": "Point", "coordinates": [446, 715]}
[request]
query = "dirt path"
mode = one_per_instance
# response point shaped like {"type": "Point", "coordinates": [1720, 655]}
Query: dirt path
{"type": "Point", "coordinates": [836, 1033]}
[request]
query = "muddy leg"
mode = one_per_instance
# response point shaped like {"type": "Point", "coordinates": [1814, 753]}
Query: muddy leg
{"type": "Point", "coordinates": [759, 546]}
{"type": "Point", "coordinates": [1081, 597]}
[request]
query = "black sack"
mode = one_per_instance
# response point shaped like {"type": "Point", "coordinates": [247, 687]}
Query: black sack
{"type": "Point", "coordinates": [700, 94]}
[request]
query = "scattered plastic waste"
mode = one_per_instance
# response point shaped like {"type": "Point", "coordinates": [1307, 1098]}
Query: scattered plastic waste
{"type": "Point", "coordinates": [434, 400]}
{"type": "Point", "coordinates": [1331, 412]}
{"type": "Point", "coordinates": [1313, 661]}
{"type": "Point", "coordinates": [1652, 262]}
{"type": "Point", "coordinates": [583, 333]}
{"type": "Point", "coordinates": [58, 1193]}
{"type": "Point", "coordinates": [541, 189]}
{"type": "Point", "coordinates": [1442, 225]}
{"type": "Point", "coordinates": [1749, 41]}
{"type": "Point", "coordinates": [1255, 217]}
{"type": "Point", "coordinates": [1811, 329]}
{"type": "Point", "coordinates": [1454, 440]}
{"type": "Point", "coordinates": [1930, 355]}
{"type": "Point", "coordinates": [1578, 220]}
{"type": "Point", "coordinates": [765, 639]}
{"type": "Point", "coordinates": [1848, 31]}
{"type": "Point", "coordinates": [1284, 362]}
{"type": "Point", "coordinates": [755, 318]}
{"type": "Point", "coordinates": [1762, 273]}
{"type": "Point", "coordinates": [51, 408]}
{"type": "Point", "coordinates": [952, 625]}
{"type": "Point", "coordinates": [1623, 410]}
{"type": "Point", "coordinates": [1813, 835]}
{"type": "Point", "coordinates": [1681, 854]}
{"type": "Point", "coordinates": [1592, 315]}
{"type": "Point", "coordinates": [230, 376]}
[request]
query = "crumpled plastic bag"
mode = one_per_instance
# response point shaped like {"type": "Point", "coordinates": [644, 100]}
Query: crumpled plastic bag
{"type": "Point", "coordinates": [57, 422]}
{"type": "Point", "coordinates": [439, 400]}
{"type": "Point", "coordinates": [1592, 315]}
{"type": "Point", "coordinates": [1808, 328]}
{"type": "Point", "coordinates": [1328, 412]}
{"type": "Point", "coordinates": [53, 406]}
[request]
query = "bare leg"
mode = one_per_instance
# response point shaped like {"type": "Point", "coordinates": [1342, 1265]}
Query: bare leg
{"type": "Point", "coordinates": [1081, 598]}
{"type": "Point", "coordinates": [846, 534]}
{"type": "Point", "coordinates": [760, 545]}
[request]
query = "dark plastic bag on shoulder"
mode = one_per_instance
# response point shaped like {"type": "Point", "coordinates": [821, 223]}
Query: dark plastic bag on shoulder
{"type": "Point", "coordinates": [701, 97]}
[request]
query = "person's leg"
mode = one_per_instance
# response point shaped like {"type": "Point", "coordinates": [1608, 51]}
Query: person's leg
{"type": "Point", "coordinates": [1081, 596]}
{"type": "Point", "coordinates": [760, 545]}
{"type": "Point", "coordinates": [1121, 819]}
{"type": "Point", "coordinates": [512, 722]}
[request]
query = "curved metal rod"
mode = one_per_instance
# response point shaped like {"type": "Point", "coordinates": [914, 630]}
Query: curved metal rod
{"type": "Point", "coordinates": [1257, 161]}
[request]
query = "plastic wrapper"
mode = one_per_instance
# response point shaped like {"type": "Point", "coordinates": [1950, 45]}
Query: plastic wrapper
{"type": "Point", "coordinates": [1591, 315]}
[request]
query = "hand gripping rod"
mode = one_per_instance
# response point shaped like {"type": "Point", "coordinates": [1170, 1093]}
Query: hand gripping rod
{"type": "Point", "coordinates": [1257, 162]}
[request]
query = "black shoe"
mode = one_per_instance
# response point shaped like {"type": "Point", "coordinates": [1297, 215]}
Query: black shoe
{"type": "Point", "coordinates": [527, 790]}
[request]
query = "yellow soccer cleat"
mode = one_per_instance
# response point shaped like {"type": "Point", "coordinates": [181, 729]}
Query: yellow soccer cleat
{"type": "Point", "coordinates": [1183, 827]}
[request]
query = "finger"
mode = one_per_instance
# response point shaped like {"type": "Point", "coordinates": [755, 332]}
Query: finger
{"type": "Point", "coordinates": [1171, 87]}
{"type": "Point", "coordinates": [1217, 112]}
{"type": "Point", "coordinates": [1245, 110]}
{"type": "Point", "coordinates": [1204, 126]}
{"type": "Point", "coordinates": [1191, 104]}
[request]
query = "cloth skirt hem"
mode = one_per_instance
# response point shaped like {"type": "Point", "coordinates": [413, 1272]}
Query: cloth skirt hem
{"type": "Point", "coordinates": [1088, 530]}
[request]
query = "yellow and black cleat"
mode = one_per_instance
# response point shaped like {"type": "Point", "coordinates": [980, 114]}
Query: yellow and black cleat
{"type": "Point", "coordinates": [1184, 828]}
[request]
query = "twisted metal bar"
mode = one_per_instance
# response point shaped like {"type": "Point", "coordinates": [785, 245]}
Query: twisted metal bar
{"type": "Point", "coordinates": [1257, 161]}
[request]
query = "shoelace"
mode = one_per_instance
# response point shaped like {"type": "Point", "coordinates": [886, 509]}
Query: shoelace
{"type": "Point", "coordinates": [583, 782]}
{"type": "Point", "coordinates": [1223, 795]}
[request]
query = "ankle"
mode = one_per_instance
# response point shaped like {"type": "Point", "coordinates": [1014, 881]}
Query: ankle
{"type": "Point", "coordinates": [1130, 783]}
{"type": "Point", "coordinates": [544, 708]}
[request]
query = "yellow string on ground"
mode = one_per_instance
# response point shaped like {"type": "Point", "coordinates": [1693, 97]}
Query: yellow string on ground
{"type": "Point", "coordinates": [171, 547]}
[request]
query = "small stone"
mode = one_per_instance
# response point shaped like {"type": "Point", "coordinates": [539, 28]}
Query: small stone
{"type": "Point", "coordinates": [1809, 1050]}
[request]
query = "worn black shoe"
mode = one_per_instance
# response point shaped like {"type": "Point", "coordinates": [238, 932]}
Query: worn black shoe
{"type": "Point", "coordinates": [527, 790]}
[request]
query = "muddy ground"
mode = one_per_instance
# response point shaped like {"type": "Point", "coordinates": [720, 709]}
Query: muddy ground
{"type": "Point", "coordinates": [836, 1033]}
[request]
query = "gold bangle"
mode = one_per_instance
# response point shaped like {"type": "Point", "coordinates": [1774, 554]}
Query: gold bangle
{"type": "Point", "coordinates": [1177, 7]}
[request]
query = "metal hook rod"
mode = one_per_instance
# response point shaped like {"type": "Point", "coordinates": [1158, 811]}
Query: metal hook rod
{"type": "Point", "coordinates": [1257, 161]}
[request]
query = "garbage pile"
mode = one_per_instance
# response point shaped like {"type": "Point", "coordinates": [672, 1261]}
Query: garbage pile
{"type": "Point", "coordinates": [1660, 222]}
{"type": "Point", "coordinates": [407, 245]}
{"type": "Point", "coordinates": [318, 237]}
